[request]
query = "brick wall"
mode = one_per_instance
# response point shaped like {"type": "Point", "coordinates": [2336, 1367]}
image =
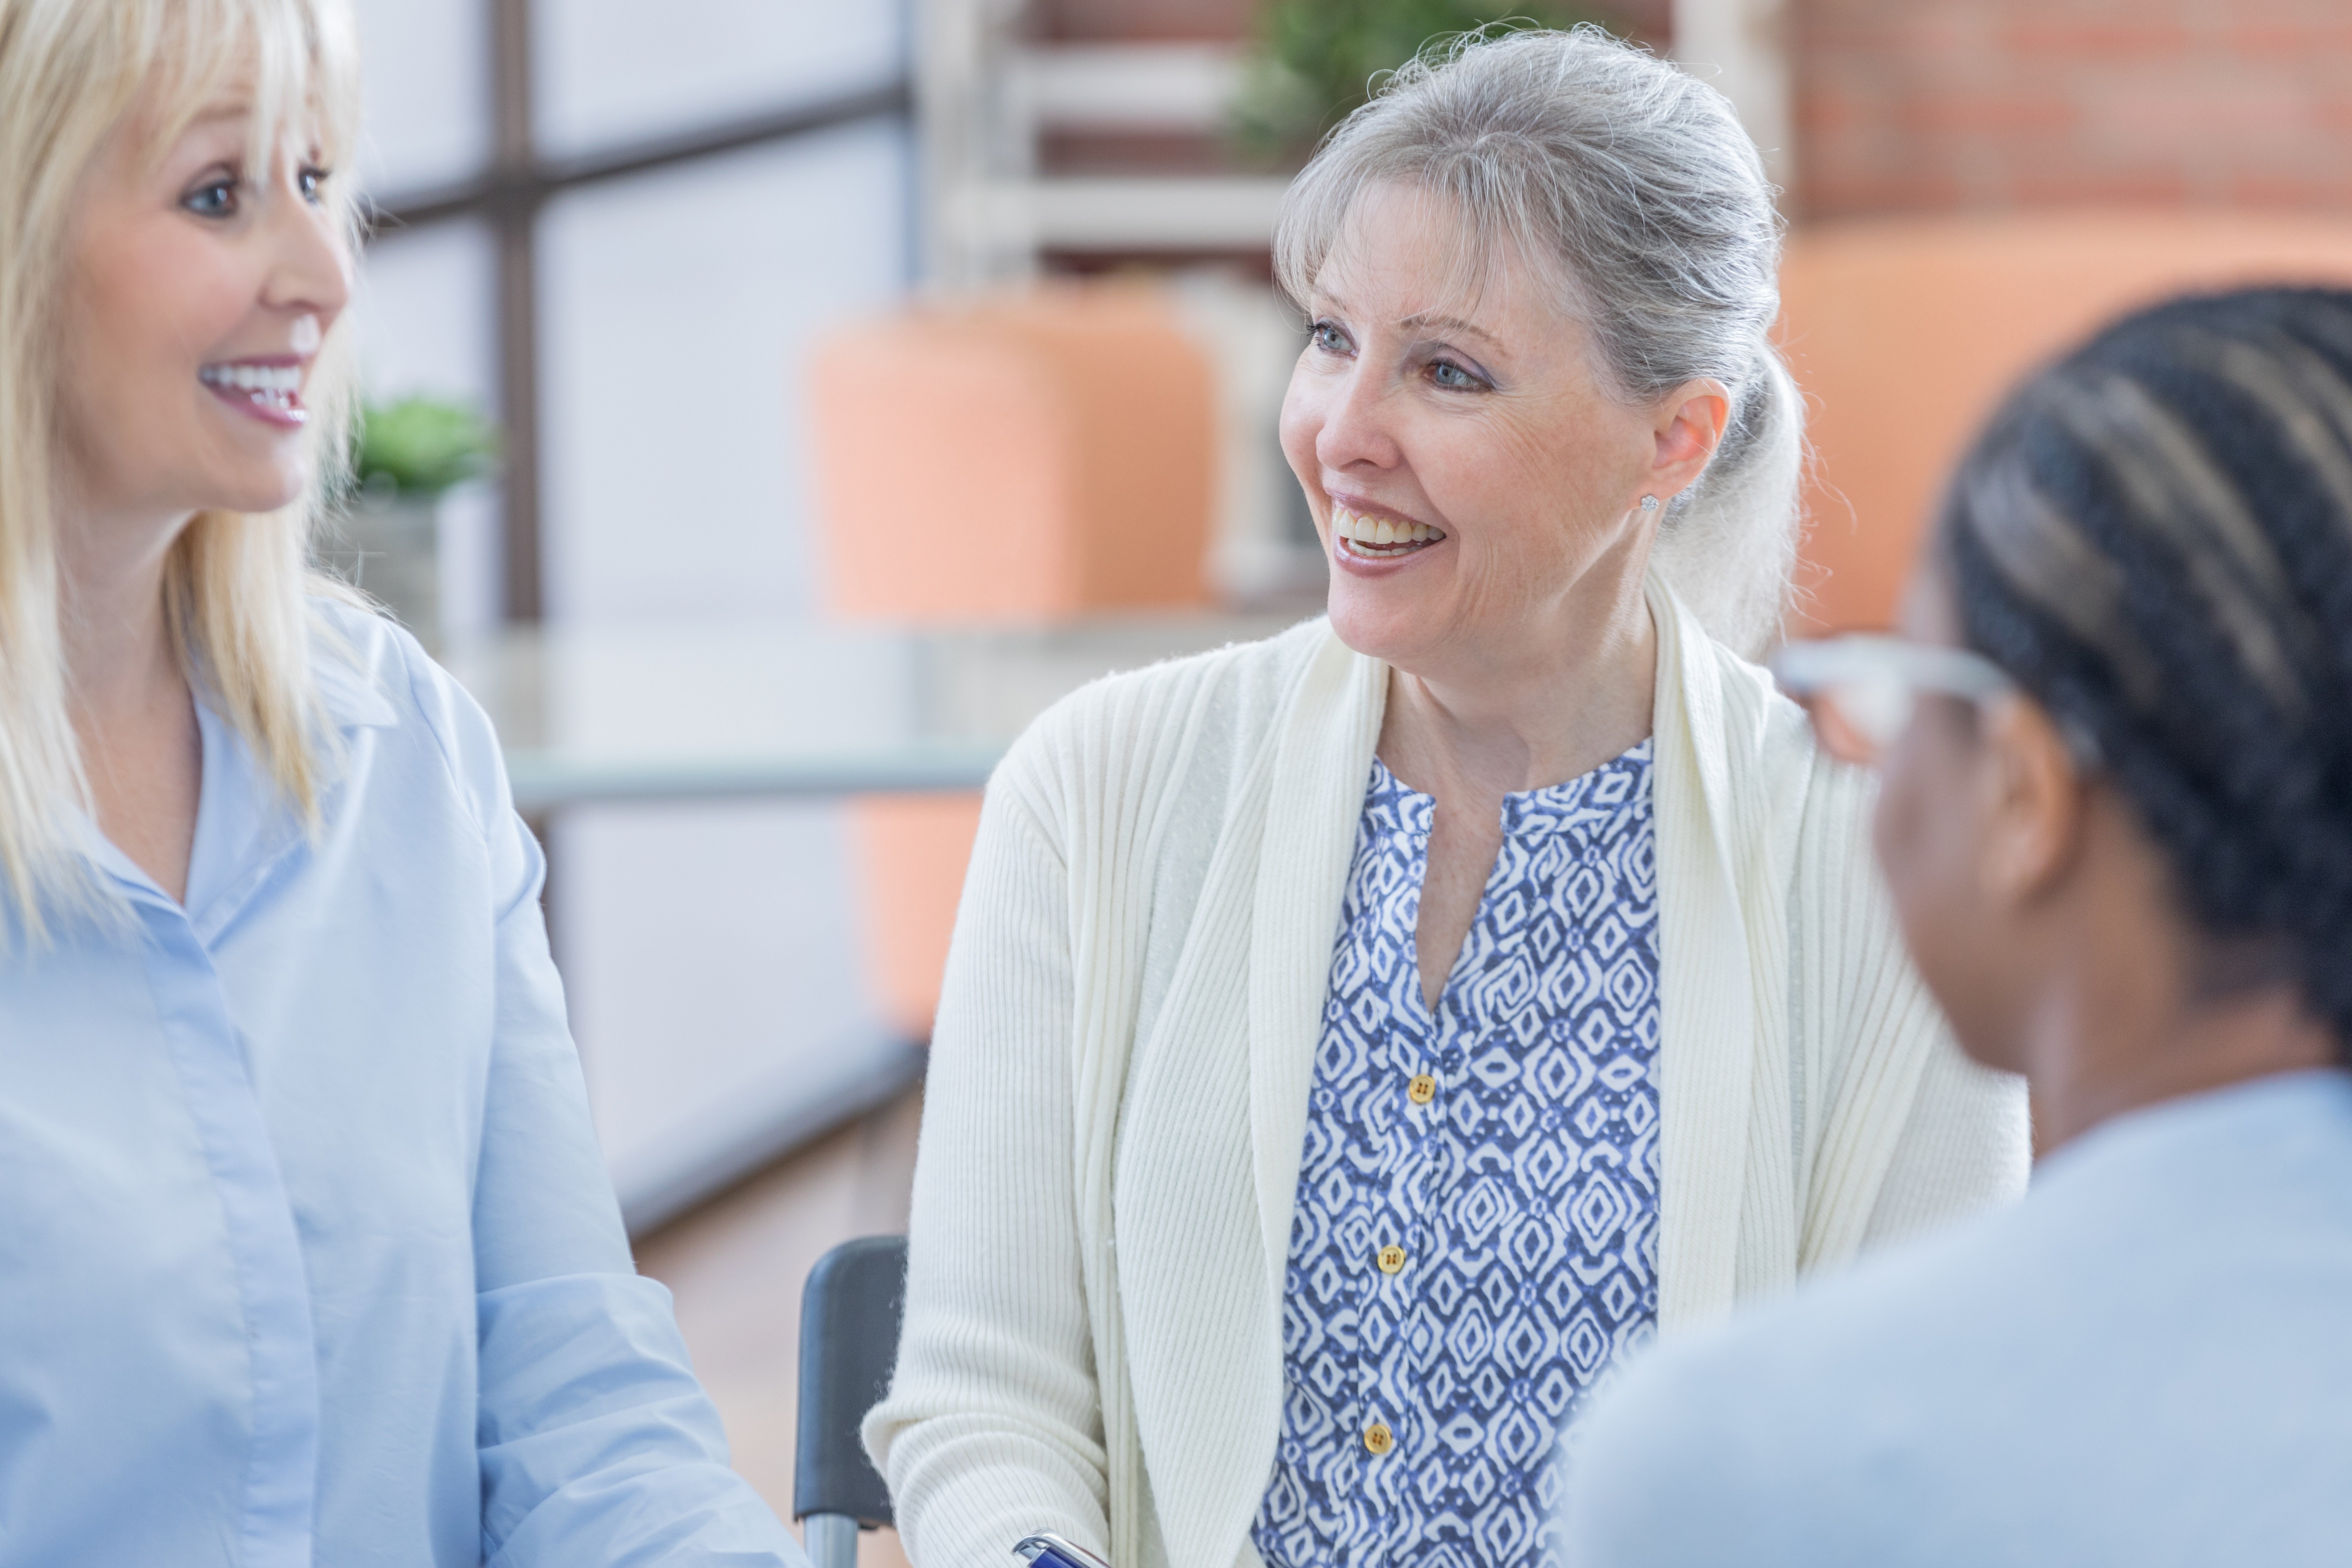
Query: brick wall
{"type": "Point", "coordinates": [1219, 20]}
{"type": "Point", "coordinates": [1922, 105]}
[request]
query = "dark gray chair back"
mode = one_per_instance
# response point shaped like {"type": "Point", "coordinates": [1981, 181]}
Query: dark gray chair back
{"type": "Point", "coordinates": [850, 1312]}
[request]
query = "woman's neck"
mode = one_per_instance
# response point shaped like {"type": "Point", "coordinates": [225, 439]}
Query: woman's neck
{"type": "Point", "coordinates": [1539, 708]}
{"type": "Point", "coordinates": [118, 649]}
{"type": "Point", "coordinates": [2099, 1074]}
{"type": "Point", "coordinates": [133, 713]}
{"type": "Point", "coordinates": [2130, 1005]}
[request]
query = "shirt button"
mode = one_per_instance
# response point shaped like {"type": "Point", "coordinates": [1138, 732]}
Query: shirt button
{"type": "Point", "coordinates": [1391, 1259]}
{"type": "Point", "coordinates": [1378, 1438]}
{"type": "Point", "coordinates": [1421, 1090]}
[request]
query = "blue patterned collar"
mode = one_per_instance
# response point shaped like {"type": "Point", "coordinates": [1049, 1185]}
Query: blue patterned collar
{"type": "Point", "coordinates": [1391, 806]}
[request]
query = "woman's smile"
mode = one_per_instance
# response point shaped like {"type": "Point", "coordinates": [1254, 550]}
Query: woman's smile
{"type": "Point", "coordinates": [1361, 534]}
{"type": "Point", "coordinates": [267, 388]}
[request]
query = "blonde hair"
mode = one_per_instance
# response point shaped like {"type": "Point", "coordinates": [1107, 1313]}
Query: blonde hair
{"type": "Point", "coordinates": [73, 72]}
{"type": "Point", "coordinates": [1637, 181]}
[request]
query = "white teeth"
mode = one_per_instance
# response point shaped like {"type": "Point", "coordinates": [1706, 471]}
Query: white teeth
{"type": "Point", "coordinates": [281, 380]}
{"type": "Point", "coordinates": [1377, 531]}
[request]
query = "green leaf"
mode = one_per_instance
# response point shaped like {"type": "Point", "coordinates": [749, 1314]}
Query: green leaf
{"type": "Point", "coordinates": [422, 446]}
{"type": "Point", "coordinates": [1313, 62]}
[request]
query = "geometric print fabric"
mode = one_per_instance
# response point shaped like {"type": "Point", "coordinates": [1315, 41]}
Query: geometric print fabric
{"type": "Point", "coordinates": [1520, 1197]}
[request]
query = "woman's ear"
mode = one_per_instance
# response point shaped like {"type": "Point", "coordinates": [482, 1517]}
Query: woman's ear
{"type": "Point", "coordinates": [1690, 425]}
{"type": "Point", "coordinates": [2035, 826]}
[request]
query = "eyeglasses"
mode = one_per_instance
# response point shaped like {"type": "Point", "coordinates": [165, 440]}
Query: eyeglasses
{"type": "Point", "coordinates": [1862, 690]}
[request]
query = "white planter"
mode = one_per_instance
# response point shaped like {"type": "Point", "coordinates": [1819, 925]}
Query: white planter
{"type": "Point", "coordinates": [387, 546]}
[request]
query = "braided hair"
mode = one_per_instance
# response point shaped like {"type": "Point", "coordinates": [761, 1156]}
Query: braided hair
{"type": "Point", "coordinates": [2154, 539]}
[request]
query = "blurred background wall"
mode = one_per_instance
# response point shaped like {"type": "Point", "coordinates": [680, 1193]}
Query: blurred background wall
{"type": "Point", "coordinates": [1979, 105]}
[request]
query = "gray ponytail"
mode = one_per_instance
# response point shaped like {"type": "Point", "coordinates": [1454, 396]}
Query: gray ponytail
{"type": "Point", "coordinates": [1639, 180]}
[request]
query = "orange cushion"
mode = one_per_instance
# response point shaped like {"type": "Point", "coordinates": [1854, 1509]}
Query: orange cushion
{"type": "Point", "coordinates": [1906, 333]}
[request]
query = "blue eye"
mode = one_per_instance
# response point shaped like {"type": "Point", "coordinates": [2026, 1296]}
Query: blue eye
{"type": "Point", "coordinates": [1331, 339]}
{"type": "Point", "coordinates": [1447, 373]}
{"type": "Point", "coordinates": [312, 184]}
{"type": "Point", "coordinates": [213, 198]}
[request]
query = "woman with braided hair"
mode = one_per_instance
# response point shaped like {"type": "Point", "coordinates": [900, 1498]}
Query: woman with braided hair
{"type": "Point", "coordinates": [2116, 817]}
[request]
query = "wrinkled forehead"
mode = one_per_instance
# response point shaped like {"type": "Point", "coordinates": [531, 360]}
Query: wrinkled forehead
{"type": "Point", "coordinates": [1430, 252]}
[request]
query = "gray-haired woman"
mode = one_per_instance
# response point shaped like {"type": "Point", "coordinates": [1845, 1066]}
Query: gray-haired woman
{"type": "Point", "coordinates": [1235, 1244]}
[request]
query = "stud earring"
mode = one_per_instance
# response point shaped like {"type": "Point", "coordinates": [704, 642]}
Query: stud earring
{"type": "Point", "coordinates": [1649, 503]}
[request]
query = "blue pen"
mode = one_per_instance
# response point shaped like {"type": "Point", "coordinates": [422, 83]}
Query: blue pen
{"type": "Point", "coordinates": [1045, 1550]}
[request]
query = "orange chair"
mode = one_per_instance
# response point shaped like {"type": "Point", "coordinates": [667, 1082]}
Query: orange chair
{"type": "Point", "coordinates": [1905, 333]}
{"type": "Point", "coordinates": [1019, 459]}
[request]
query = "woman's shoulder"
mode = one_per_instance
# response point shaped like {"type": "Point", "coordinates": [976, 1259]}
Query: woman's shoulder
{"type": "Point", "coordinates": [373, 675]}
{"type": "Point", "coordinates": [1767, 743]}
{"type": "Point", "coordinates": [1800, 818]}
{"type": "Point", "coordinates": [1150, 722]}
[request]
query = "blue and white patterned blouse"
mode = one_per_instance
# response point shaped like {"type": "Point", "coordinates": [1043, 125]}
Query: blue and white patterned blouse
{"type": "Point", "coordinates": [1475, 1238]}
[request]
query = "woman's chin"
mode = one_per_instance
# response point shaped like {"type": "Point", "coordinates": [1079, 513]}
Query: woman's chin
{"type": "Point", "coordinates": [1384, 620]}
{"type": "Point", "coordinates": [253, 490]}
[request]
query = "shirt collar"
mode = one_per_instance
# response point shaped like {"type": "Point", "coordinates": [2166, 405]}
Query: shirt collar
{"type": "Point", "coordinates": [351, 694]}
{"type": "Point", "coordinates": [239, 824]}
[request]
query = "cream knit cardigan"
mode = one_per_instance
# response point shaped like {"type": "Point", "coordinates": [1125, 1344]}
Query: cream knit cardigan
{"type": "Point", "coordinates": [1119, 1084]}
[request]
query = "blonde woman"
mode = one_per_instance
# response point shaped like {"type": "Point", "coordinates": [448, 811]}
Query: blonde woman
{"type": "Point", "coordinates": [1355, 1044]}
{"type": "Point", "coordinates": [306, 1252]}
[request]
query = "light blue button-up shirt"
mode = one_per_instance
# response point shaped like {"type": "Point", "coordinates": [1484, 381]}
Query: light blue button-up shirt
{"type": "Point", "coordinates": [2145, 1365]}
{"type": "Point", "coordinates": [306, 1251]}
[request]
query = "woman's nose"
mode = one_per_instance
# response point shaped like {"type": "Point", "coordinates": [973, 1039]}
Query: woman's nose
{"type": "Point", "coordinates": [1354, 431]}
{"type": "Point", "coordinates": [310, 270]}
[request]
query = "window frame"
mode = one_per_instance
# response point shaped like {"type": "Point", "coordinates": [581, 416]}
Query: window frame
{"type": "Point", "coordinates": [510, 195]}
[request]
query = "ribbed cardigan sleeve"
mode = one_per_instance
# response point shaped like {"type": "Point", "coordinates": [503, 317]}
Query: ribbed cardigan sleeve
{"type": "Point", "coordinates": [1966, 1146]}
{"type": "Point", "coordinates": [992, 1428]}
{"type": "Point", "coordinates": [1959, 1141]}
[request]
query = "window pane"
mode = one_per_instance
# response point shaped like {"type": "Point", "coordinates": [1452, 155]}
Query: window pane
{"type": "Point", "coordinates": [616, 70]}
{"type": "Point", "coordinates": [427, 318]}
{"type": "Point", "coordinates": [428, 116]}
{"type": "Point", "coordinates": [677, 312]}
{"type": "Point", "coordinates": [715, 983]}
{"type": "Point", "coordinates": [425, 307]}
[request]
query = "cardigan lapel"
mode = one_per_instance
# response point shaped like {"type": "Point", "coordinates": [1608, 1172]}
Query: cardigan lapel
{"type": "Point", "coordinates": [1707, 1024]}
{"type": "Point", "coordinates": [1205, 1356]}
{"type": "Point", "coordinates": [1218, 1093]}
{"type": "Point", "coordinates": [1322, 761]}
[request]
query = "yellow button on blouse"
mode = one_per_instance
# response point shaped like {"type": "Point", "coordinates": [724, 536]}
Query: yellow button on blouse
{"type": "Point", "coordinates": [1421, 1090]}
{"type": "Point", "coordinates": [1391, 1259]}
{"type": "Point", "coordinates": [1378, 1438]}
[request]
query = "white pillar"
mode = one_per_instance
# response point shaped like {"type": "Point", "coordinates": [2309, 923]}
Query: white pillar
{"type": "Point", "coordinates": [1741, 47]}
{"type": "Point", "coordinates": [975, 138]}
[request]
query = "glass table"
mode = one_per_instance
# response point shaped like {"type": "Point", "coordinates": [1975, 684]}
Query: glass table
{"type": "Point", "coordinates": [702, 889]}
{"type": "Point", "coordinates": [784, 709]}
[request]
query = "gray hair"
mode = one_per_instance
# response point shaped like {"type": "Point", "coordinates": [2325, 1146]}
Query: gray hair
{"type": "Point", "coordinates": [1639, 182]}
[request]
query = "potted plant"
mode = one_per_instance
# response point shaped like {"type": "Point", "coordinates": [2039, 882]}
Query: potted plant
{"type": "Point", "coordinates": [1313, 61]}
{"type": "Point", "coordinates": [407, 456]}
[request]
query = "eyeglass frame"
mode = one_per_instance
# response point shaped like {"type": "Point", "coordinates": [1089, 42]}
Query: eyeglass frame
{"type": "Point", "coordinates": [1812, 664]}
{"type": "Point", "coordinates": [1813, 667]}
